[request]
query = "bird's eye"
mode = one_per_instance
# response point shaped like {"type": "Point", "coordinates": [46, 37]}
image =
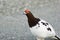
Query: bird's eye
{"type": "Point", "coordinates": [49, 29]}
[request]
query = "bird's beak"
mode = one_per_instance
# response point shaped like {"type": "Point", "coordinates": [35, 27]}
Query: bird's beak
{"type": "Point", "coordinates": [23, 13]}
{"type": "Point", "coordinates": [57, 37]}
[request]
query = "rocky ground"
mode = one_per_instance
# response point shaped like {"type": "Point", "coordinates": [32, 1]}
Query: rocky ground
{"type": "Point", "coordinates": [13, 22]}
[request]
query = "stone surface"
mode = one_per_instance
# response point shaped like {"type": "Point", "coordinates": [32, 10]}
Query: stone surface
{"type": "Point", "coordinates": [13, 22]}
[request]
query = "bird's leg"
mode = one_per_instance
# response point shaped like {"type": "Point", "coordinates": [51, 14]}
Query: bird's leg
{"type": "Point", "coordinates": [40, 38]}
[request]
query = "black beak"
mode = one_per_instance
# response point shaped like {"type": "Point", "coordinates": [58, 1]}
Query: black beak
{"type": "Point", "coordinates": [57, 37]}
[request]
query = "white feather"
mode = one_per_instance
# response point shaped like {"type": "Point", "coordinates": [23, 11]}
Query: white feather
{"type": "Point", "coordinates": [42, 32]}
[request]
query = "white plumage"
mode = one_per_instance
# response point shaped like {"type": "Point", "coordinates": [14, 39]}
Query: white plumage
{"type": "Point", "coordinates": [40, 28]}
{"type": "Point", "coordinates": [41, 31]}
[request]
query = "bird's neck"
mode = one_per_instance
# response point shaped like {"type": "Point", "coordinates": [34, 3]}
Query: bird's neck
{"type": "Point", "coordinates": [32, 21]}
{"type": "Point", "coordinates": [30, 16]}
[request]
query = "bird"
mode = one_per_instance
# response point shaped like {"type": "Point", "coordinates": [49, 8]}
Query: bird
{"type": "Point", "coordinates": [40, 28]}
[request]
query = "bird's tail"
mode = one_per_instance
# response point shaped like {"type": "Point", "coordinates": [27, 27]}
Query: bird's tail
{"type": "Point", "coordinates": [57, 37]}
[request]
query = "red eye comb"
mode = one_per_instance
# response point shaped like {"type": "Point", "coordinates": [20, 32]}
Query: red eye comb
{"type": "Point", "coordinates": [27, 11]}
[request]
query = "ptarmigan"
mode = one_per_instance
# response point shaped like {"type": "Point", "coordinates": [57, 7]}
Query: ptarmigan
{"type": "Point", "coordinates": [40, 28]}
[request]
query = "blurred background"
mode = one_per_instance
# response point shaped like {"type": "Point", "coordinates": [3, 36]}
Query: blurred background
{"type": "Point", "coordinates": [13, 22]}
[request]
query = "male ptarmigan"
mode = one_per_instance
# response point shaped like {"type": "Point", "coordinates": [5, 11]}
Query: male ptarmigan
{"type": "Point", "coordinates": [40, 28]}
